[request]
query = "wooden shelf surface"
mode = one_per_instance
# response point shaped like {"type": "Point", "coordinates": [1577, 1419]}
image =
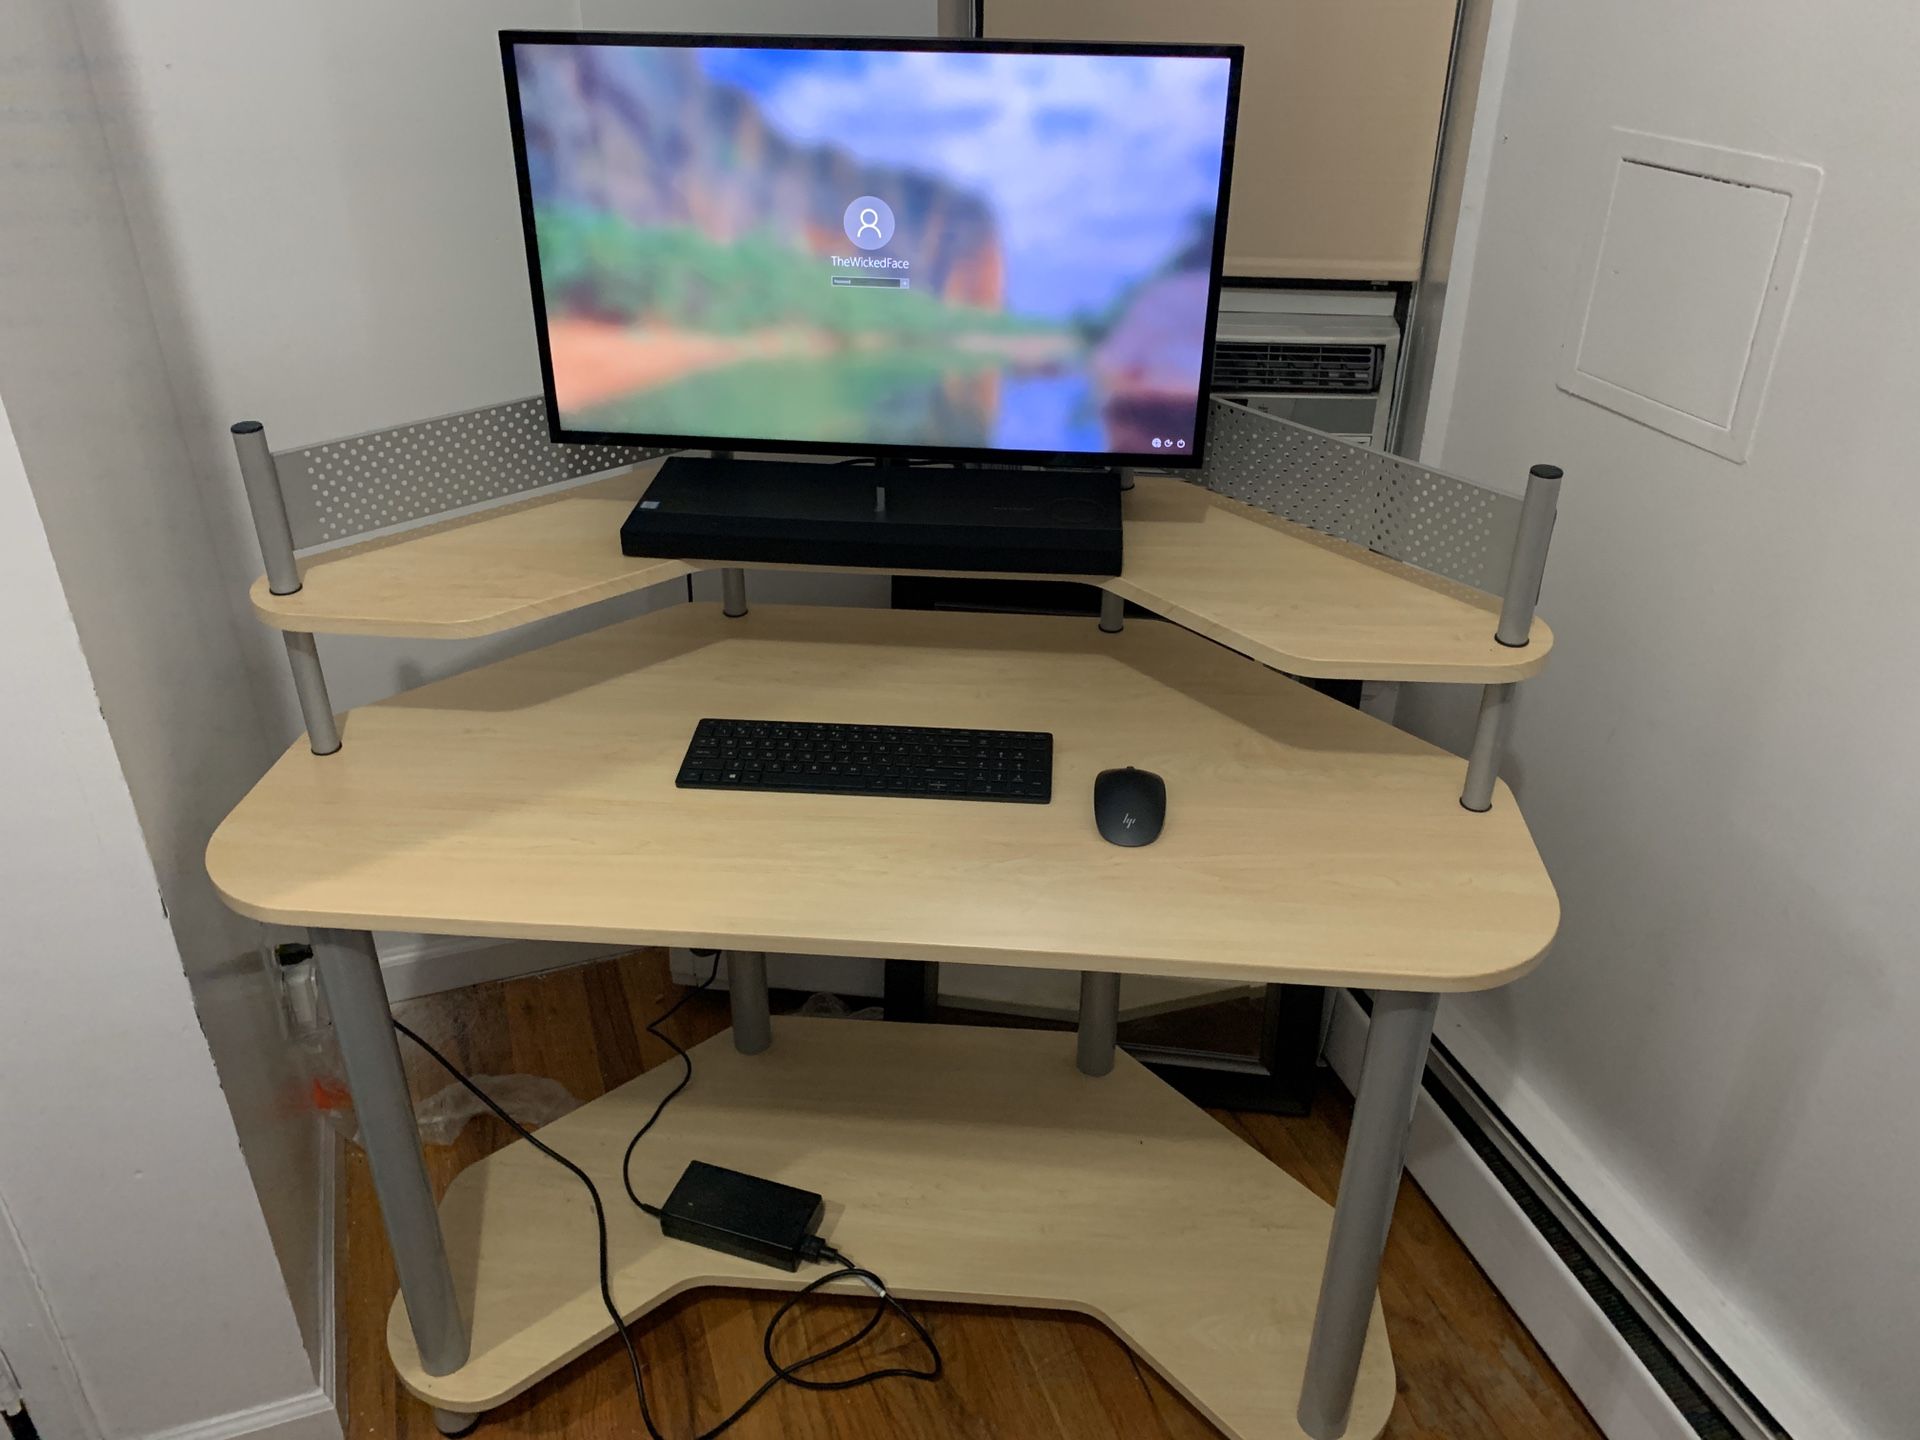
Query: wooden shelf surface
{"type": "Point", "coordinates": [478, 574]}
{"type": "Point", "coordinates": [968, 1164]}
{"type": "Point", "coordinates": [534, 798]}
{"type": "Point", "coordinates": [1280, 593]}
{"type": "Point", "coordinates": [1305, 603]}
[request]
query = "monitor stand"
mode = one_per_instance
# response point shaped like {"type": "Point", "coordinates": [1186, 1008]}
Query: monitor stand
{"type": "Point", "coordinates": [986, 520]}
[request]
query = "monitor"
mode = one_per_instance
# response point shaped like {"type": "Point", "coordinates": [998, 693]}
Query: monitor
{"type": "Point", "coordinates": [962, 250]}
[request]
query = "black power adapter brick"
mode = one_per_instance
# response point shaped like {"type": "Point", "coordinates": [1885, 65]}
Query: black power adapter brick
{"type": "Point", "coordinates": [759, 1220]}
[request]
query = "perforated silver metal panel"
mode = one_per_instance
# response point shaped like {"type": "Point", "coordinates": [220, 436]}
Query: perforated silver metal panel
{"type": "Point", "coordinates": [345, 488]}
{"type": "Point", "coordinates": [1408, 512]}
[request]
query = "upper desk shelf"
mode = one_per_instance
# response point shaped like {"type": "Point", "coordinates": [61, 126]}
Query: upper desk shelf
{"type": "Point", "coordinates": [1283, 593]}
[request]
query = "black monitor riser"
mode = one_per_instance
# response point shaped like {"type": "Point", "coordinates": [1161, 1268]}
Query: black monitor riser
{"type": "Point", "coordinates": [880, 515]}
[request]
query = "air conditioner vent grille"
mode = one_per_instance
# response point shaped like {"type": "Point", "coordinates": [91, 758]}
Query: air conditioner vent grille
{"type": "Point", "coordinates": [1266, 367]}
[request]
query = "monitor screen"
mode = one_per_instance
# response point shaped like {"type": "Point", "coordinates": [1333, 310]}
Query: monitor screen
{"type": "Point", "coordinates": [953, 249]}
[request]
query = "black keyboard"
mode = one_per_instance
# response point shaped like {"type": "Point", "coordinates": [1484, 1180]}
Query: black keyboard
{"type": "Point", "coordinates": [936, 762]}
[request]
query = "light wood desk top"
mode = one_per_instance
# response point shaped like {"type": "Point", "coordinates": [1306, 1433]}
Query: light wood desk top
{"type": "Point", "coordinates": [1278, 592]}
{"type": "Point", "coordinates": [535, 798]}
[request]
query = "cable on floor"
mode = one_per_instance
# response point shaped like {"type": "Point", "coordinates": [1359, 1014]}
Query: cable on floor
{"type": "Point", "coordinates": [820, 1250]}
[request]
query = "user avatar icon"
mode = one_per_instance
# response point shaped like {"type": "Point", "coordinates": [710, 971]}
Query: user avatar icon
{"type": "Point", "coordinates": [869, 222]}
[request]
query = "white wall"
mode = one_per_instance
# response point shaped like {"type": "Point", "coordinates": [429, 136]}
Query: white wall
{"type": "Point", "coordinates": [82, 375]}
{"type": "Point", "coordinates": [300, 213]}
{"type": "Point", "coordinates": [1718, 762]}
{"type": "Point", "coordinates": [121, 1179]}
{"type": "Point", "coordinates": [304, 213]}
{"type": "Point", "coordinates": [323, 198]}
{"type": "Point", "coordinates": [323, 202]}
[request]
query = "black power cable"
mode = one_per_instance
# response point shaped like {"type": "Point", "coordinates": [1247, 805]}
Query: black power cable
{"type": "Point", "coordinates": [652, 1028]}
{"type": "Point", "coordinates": [818, 1250]}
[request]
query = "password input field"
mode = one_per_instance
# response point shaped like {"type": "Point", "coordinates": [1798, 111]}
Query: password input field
{"type": "Point", "coordinates": [872, 282]}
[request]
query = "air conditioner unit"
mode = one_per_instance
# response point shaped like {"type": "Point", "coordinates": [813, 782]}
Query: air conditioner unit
{"type": "Point", "coordinates": [1325, 358]}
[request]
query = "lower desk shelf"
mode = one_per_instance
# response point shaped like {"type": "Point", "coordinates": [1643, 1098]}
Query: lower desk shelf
{"type": "Point", "coordinates": [960, 1163]}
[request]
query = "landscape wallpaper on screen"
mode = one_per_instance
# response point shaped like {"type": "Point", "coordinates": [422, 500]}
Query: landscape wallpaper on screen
{"type": "Point", "coordinates": [875, 248]}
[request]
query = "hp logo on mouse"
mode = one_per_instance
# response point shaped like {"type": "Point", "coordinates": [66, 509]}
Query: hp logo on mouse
{"type": "Point", "coordinates": [1128, 821]}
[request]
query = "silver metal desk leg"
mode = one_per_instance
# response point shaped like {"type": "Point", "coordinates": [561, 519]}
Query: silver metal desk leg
{"type": "Point", "coordinates": [268, 501]}
{"type": "Point", "coordinates": [454, 1422]}
{"type": "Point", "coordinates": [1369, 1180]}
{"type": "Point", "coordinates": [1483, 760]}
{"type": "Point", "coordinates": [1538, 506]}
{"type": "Point", "coordinates": [1113, 612]}
{"type": "Point", "coordinates": [363, 1024]}
{"type": "Point", "coordinates": [1099, 1021]}
{"type": "Point", "coordinates": [747, 998]}
{"type": "Point", "coordinates": [310, 686]}
{"type": "Point", "coordinates": [733, 592]}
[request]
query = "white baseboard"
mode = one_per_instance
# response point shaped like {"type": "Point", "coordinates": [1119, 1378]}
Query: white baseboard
{"type": "Point", "coordinates": [1588, 1352]}
{"type": "Point", "coordinates": [307, 1416]}
{"type": "Point", "coordinates": [36, 1354]}
{"type": "Point", "coordinates": [1606, 1375]}
{"type": "Point", "coordinates": [1801, 1406]}
{"type": "Point", "coordinates": [416, 965]}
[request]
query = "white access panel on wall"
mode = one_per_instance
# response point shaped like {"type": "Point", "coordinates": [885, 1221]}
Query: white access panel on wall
{"type": "Point", "coordinates": [1685, 285]}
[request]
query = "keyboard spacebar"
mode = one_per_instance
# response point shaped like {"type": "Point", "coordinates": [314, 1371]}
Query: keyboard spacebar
{"type": "Point", "coordinates": [896, 786]}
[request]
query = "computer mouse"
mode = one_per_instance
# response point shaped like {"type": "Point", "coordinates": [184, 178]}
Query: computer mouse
{"type": "Point", "coordinates": [1129, 806]}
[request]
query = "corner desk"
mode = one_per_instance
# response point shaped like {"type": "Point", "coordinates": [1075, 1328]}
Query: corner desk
{"type": "Point", "coordinates": [533, 797]}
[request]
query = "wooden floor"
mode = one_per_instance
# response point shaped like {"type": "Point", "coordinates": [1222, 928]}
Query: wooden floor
{"type": "Point", "coordinates": [1467, 1371]}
